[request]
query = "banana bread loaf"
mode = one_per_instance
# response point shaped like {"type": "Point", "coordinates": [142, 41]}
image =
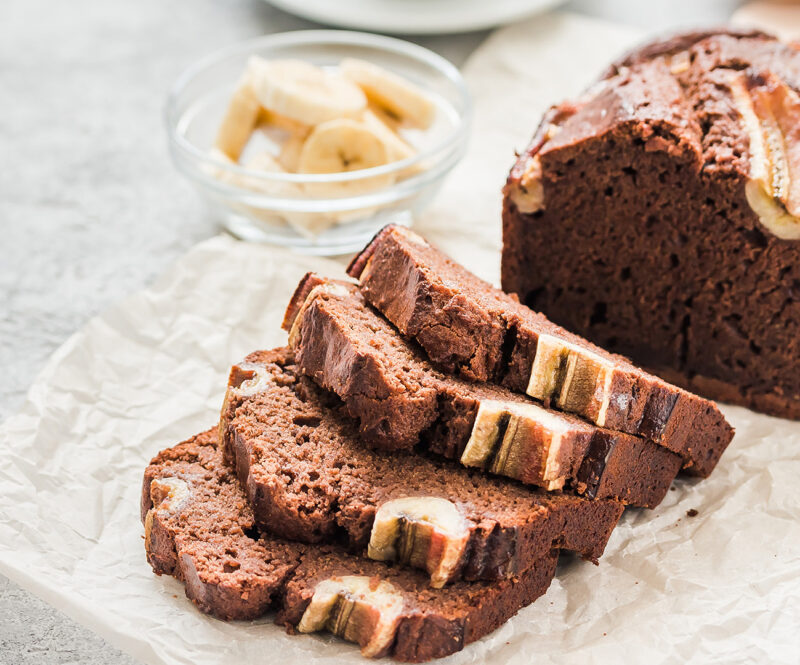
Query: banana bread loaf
{"type": "Point", "coordinates": [467, 326]}
{"type": "Point", "coordinates": [659, 216]}
{"type": "Point", "coordinates": [401, 400]}
{"type": "Point", "coordinates": [200, 529]}
{"type": "Point", "coordinates": [308, 477]}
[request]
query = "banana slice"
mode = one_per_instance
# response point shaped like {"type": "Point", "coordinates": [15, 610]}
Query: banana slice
{"type": "Point", "coordinates": [398, 96]}
{"type": "Point", "coordinates": [290, 136]}
{"type": "Point", "coordinates": [387, 118]}
{"type": "Point", "coordinates": [260, 162]}
{"type": "Point", "coordinates": [397, 148]}
{"type": "Point", "coordinates": [268, 119]}
{"type": "Point", "coordinates": [308, 224]}
{"type": "Point", "coordinates": [216, 171]}
{"type": "Point", "coordinates": [264, 161]}
{"type": "Point", "coordinates": [342, 145]}
{"type": "Point", "coordinates": [306, 94]}
{"type": "Point", "coordinates": [770, 110]}
{"type": "Point", "coordinates": [289, 156]}
{"type": "Point", "coordinates": [240, 119]}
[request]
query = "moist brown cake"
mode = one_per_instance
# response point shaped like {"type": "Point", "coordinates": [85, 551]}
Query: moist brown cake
{"type": "Point", "coordinates": [308, 477]}
{"type": "Point", "coordinates": [400, 400]}
{"type": "Point", "coordinates": [199, 529]}
{"type": "Point", "coordinates": [467, 326]}
{"type": "Point", "coordinates": [659, 215]}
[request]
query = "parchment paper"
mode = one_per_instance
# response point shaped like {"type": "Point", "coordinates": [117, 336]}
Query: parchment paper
{"type": "Point", "coordinates": [722, 586]}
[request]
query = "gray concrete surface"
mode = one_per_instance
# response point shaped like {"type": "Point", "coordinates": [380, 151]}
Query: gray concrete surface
{"type": "Point", "coordinates": [90, 206]}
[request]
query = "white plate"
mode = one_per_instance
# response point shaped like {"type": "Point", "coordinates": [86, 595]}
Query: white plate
{"type": "Point", "coordinates": [415, 16]}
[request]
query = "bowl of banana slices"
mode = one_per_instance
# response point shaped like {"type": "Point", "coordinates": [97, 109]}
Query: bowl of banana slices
{"type": "Point", "coordinates": [316, 139]}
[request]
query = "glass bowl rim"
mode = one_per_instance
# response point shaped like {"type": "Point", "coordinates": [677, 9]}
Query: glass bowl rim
{"type": "Point", "coordinates": [400, 47]}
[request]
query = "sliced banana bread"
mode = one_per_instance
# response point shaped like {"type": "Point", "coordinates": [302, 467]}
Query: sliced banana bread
{"type": "Point", "coordinates": [400, 400]}
{"type": "Point", "coordinates": [308, 477]}
{"type": "Point", "coordinates": [467, 326]}
{"type": "Point", "coordinates": [199, 528]}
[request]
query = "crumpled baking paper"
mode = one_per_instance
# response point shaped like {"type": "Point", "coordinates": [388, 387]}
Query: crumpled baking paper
{"type": "Point", "coordinates": [720, 586]}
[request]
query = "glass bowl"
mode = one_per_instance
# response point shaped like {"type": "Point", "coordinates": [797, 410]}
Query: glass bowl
{"type": "Point", "coordinates": [330, 213]}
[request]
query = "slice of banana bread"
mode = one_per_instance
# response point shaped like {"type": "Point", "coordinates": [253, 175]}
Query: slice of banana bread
{"type": "Point", "coordinates": [469, 327]}
{"type": "Point", "coordinates": [400, 400]}
{"type": "Point", "coordinates": [199, 528]}
{"type": "Point", "coordinates": [308, 477]}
